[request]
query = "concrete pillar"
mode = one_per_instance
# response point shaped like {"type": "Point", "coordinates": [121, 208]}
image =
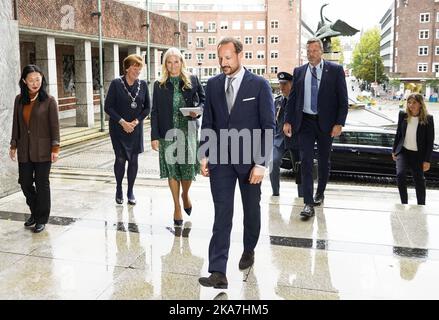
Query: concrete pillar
{"type": "Point", "coordinates": [155, 66]}
{"type": "Point", "coordinates": [10, 68]}
{"type": "Point", "coordinates": [134, 50]}
{"type": "Point", "coordinates": [45, 58]}
{"type": "Point", "coordinates": [111, 64]}
{"type": "Point", "coordinates": [84, 85]}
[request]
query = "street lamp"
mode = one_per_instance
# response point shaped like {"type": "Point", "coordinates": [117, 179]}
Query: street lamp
{"type": "Point", "coordinates": [199, 66]}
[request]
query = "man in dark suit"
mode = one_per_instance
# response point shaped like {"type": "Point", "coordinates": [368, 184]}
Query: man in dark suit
{"type": "Point", "coordinates": [282, 144]}
{"type": "Point", "coordinates": [238, 105]}
{"type": "Point", "coordinates": [316, 111]}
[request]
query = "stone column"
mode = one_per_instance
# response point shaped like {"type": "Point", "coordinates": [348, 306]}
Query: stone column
{"type": "Point", "coordinates": [45, 58]}
{"type": "Point", "coordinates": [111, 64]}
{"type": "Point", "coordinates": [10, 66]}
{"type": "Point", "coordinates": [84, 85]}
{"type": "Point", "coordinates": [155, 66]}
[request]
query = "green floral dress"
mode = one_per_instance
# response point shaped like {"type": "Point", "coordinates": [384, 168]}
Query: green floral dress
{"type": "Point", "coordinates": [178, 157]}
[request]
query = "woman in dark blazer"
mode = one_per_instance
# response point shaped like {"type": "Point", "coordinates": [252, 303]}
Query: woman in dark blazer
{"type": "Point", "coordinates": [413, 146]}
{"type": "Point", "coordinates": [176, 89]}
{"type": "Point", "coordinates": [35, 141]}
{"type": "Point", "coordinates": [127, 103]}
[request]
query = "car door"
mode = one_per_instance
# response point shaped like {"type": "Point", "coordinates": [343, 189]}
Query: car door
{"type": "Point", "coordinates": [373, 156]}
{"type": "Point", "coordinates": [344, 155]}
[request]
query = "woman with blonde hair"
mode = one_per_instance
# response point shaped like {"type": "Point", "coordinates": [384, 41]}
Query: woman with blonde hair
{"type": "Point", "coordinates": [413, 146]}
{"type": "Point", "coordinates": [127, 103]}
{"type": "Point", "coordinates": [176, 89]}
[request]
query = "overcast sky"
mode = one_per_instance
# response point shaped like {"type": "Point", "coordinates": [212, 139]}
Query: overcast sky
{"type": "Point", "coordinates": [360, 14]}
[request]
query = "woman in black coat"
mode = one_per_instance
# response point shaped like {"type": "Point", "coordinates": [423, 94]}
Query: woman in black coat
{"type": "Point", "coordinates": [127, 103]}
{"type": "Point", "coordinates": [413, 146]}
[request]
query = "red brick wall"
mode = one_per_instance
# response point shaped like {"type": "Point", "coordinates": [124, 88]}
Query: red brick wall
{"type": "Point", "coordinates": [119, 20]}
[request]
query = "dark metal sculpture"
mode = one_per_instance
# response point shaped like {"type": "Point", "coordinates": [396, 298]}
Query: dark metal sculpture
{"type": "Point", "coordinates": [326, 30]}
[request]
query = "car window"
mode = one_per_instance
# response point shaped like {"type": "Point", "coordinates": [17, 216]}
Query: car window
{"type": "Point", "coordinates": [347, 137]}
{"type": "Point", "coordinates": [388, 139]}
{"type": "Point", "coordinates": [375, 139]}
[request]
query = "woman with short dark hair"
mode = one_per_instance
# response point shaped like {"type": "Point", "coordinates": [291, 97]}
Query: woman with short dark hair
{"type": "Point", "coordinates": [413, 146]}
{"type": "Point", "coordinates": [35, 141]}
{"type": "Point", "coordinates": [128, 104]}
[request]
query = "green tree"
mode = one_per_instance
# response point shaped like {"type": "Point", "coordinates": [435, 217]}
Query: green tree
{"type": "Point", "coordinates": [367, 63]}
{"type": "Point", "coordinates": [336, 47]}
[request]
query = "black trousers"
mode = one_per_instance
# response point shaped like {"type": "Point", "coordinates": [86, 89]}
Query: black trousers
{"type": "Point", "coordinates": [38, 195]}
{"type": "Point", "coordinates": [405, 160]}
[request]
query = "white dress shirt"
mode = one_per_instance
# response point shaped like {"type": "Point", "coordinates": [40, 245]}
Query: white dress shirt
{"type": "Point", "coordinates": [410, 134]}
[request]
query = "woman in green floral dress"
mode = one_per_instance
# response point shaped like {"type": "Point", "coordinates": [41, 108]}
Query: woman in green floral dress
{"type": "Point", "coordinates": [174, 135]}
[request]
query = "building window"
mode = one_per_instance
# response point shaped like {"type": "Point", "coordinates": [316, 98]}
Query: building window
{"type": "Point", "coordinates": [274, 24]}
{"type": "Point", "coordinates": [212, 56]}
{"type": "Point", "coordinates": [423, 51]}
{"type": "Point", "coordinates": [422, 67]}
{"type": "Point", "coordinates": [437, 51]}
{"type": "Point", "coordinates": [437, 17]}
{"type": "Point", "coordinates": [248, 40]}
{"type": "Point", "coordinates": [424, 17]}
{"type": "Point", "coordinates": [260, 25]}
{"type": "Point", "coordinates": [199, 26]}
{"type": "Point", "coordinates": [424, 34]}
{"type": "Point", "coordinates": [189, 40]}
{"type": "Point", "coordinates": [274, 39]}
{"type": "Point", "coordinates": [200, 56]}
{"type": "Point", "coordinates": [260, 55]}
{"type": "Point", "coordinates": [274, 54]}
{"type": "Point", "coordinates": [396, 67]}
{"type": "Point", "coordinates": [396, 52]}
{"type": "Point", "coordinates": [258, 71]}
{"type": "Point", "coordinates": [248, 55]}
{"type": "Point", "coordinates": [397, 3]}
{"type": "Point", "coordinates": [274, 69]}
{"type": "Point", "coordinates": [396, 36]}
{"type": "Point", "coordinates": [261, 40]}
{"type": "Point", "coordinates": [211, 40]}
{"type": "Point", "coordinates": [188, 56]}
{"type": "Point", "coordinates": [199, 43]}
{"type": "Point", "coordinates": [437, 33]}
{"type": "Point", "coordinates": [224, 25]}
{"type": "Point", "coordinates": [211, 26]}
{"type": "Point", "coordinates": [248, 25]}
{"type": "Point", "coordinates": [435, 67]}
{"type": "Point", "coordinates": [236, 25]}
{"type": "Point", "coordinates": [397, 21]}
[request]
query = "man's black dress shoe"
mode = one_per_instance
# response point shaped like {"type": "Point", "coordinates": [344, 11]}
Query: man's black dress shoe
{"type": "Point", "coordinates": [132, 201]}
{"type": "Point", "coordinates": [307, 212]}
{"type": "Point", "coordinates": [318, 199]}
{"type": "Point", "coordinates": [39, 227]}
{"type": "Point", "coordinates": [247, 260]}
{"type": "Point", "coordinates": [30, 222]}
{"type": "Point", "coordinates": [216, 280]}
{"type": "Point", "coordinates": [119, 197]}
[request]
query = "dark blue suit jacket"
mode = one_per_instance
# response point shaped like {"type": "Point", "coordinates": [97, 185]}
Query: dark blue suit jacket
{"type": "Point", "coordinates": [253, 109]}
{"type": "Point", "coordinates": [332, 100]}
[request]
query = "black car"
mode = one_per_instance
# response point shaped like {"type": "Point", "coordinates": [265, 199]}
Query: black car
{"type": "Point", "coordinates": [367, 151]}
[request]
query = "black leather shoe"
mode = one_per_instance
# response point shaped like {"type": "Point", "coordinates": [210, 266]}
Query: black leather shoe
{"type": "Point", "coordinates": [119, 196]}
{"type": "Point", "coordinates": [275, 194]}
{"type": "Point", "coordinates": [216, 280]}
{"type": "Point", "coordinates": [247, 260]}
{"type": "Point", "coordinates": [307, 212]}
{"type": "Point", "coordinates": [318, 199]}
{"type": "Point", "coordinates": [132, 201]}
{"type": "Point", "coordinates": [30, 222]}
{"type": "Point", "coordinates": [39, 227]}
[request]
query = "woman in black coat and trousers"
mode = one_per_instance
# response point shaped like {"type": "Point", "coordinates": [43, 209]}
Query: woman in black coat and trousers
{"type": "Point", "coordinates": [127, 103]}
{"type": "Point", "coordinates": [413, 146]}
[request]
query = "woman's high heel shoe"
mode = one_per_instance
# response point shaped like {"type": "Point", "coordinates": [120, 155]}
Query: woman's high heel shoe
{"type": "Point", "coordinates": [188, 211]}
{"type": "Point", "coordinates": [178, 223]}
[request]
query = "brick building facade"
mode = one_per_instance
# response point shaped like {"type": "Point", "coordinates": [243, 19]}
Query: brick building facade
{"type": "Point", "coordinates": [269, 31]}
{"type": "Point", "coordinates": [416, 38]}
{"type": "Point", "coordinates": [61, 36]}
